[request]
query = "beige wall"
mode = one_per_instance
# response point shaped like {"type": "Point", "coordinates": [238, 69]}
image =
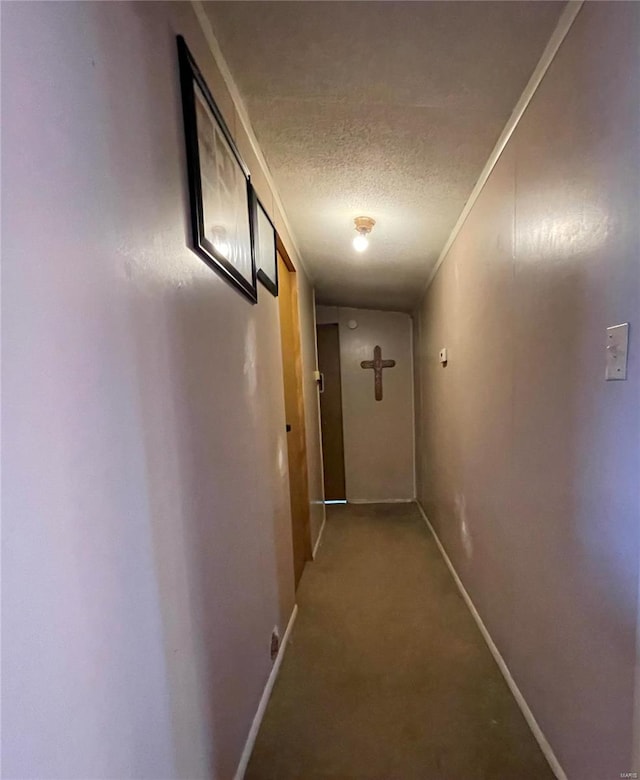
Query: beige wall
{"type": "Point", "coordinates": [528, 459]}
{"type": "Point", "coordinates": [378, 435]}
{"type": "Point", "coordinates": [146, 526]}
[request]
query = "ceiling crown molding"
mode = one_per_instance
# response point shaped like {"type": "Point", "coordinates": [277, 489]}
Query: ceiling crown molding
{"type": "Point", "coordinates": [548, 55]}
{"type": "Point", "coordinates": [243, 116]}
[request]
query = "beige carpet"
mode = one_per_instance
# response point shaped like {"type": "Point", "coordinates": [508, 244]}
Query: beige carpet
{"type": "Point", "coordinates": [386, 675]}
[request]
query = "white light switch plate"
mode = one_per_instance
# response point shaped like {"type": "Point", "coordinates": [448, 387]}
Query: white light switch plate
{"type": "Point", "coordinates": [617, 348]}
{"type": "Point", "coordinates": [443, 355]}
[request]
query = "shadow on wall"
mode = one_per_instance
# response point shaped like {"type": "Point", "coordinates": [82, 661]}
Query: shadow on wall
{"type": "Point", "coordinates": [210, 398]}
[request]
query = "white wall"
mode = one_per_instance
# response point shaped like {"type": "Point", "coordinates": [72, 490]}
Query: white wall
{"type": "Point", "coordinates": [378, 435]}
{"type": "Point", "coordinates": [146, 522]}
{"type": "Point", "coordinates": [528, 459]}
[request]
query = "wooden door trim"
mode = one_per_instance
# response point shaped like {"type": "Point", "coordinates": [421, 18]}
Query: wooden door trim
{"type": "Point", "coordinates": [286, 259]}
{"type": "Point", "coordinates": [295, 411]}
{"type": "Point", "coordinates": [295, 304]}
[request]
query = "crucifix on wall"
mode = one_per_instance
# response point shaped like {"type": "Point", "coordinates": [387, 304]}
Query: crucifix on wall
{"type": "Point", "coordinates": [377, 364]}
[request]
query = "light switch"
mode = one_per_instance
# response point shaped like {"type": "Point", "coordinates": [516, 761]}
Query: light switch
{"type": "Point", "coordinates": [617, 347]}
{"type": "Point", "coordinates": [443, 356]}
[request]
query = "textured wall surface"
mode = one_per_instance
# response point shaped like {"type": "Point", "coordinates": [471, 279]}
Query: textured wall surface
{"type": "Point", "coordinates": [378, 435]}
{"type": "Point", "coordinates": [387, 109]}
{"type": "Point", "coordinates": [528, 459]}
{"type": "Point", "coordinates": [146, 522]}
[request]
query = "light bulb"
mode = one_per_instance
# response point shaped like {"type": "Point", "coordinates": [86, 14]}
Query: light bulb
{"type": "Point", "coordinates": [360, 242]}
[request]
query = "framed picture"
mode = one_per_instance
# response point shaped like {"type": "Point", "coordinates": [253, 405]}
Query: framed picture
{"type": "Point", "coordinates": [219, 186]}
{"type": "Point", "coordinates": [264, 235]}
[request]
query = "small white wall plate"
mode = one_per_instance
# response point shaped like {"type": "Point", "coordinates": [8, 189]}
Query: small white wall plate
{"type": "Point", "coordinates": [617, 348]}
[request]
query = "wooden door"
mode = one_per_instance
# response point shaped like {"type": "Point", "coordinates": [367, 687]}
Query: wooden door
{"type": "Point", "coordinates": [331, 413]}
{"type": "Point", "coordinates": [294, 411]}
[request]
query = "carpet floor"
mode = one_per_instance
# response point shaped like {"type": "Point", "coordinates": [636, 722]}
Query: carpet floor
{"type": "Point", "coordinates": [386, 676]}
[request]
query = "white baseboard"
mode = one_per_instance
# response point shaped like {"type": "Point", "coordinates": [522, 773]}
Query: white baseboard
{"type": "Point", "coordinates": [317, 544]}
{"type": "Point", "coordinates": [546, 748]}
{"type": "Point", "coordinates": [264, 700]}
{"type": "Point", "coordinates": [380, 500]}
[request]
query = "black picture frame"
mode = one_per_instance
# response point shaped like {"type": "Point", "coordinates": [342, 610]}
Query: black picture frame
{"type": "Point", "coordinates": [265, 244]}
{"type": "Point", "coordinates": [222, 231]}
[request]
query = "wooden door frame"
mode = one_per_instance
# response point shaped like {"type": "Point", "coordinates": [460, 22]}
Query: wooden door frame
{"type": "Point", "coordinates": [282, 249]}
{"type": "Point", "coordinates": [295, 313]}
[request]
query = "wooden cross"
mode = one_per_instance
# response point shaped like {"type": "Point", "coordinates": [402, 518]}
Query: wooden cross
{"type": "Point", "coordinates": [377, 364]}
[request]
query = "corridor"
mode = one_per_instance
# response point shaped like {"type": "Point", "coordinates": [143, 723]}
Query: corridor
{"type": "Point", "coordinates": [386, 674]}
{"type": "Point", "coordinates": [279, 280]}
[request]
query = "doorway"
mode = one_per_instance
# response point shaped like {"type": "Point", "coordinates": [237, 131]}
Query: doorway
{"type": "Point", "coordinates": [331, 412]}
{"type": "Point", "coordinates": [294, 412]}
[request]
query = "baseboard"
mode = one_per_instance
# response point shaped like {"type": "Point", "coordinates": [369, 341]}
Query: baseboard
{"type": "Point", "coordinates": [380, 500]}
{"type": "Point", "coordinates": [317, 544]}
{"type": "Point", "coordinates": [517, 694]}
{"type": "Point", "coordinates": [264, 700]}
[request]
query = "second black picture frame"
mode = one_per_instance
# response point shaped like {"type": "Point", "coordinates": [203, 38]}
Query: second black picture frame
{"type": "Point", "coordinates": [265, 247]}
{"type": "Point", "coordinates": [219, 186]}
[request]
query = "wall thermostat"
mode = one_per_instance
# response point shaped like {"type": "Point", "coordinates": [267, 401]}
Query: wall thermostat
{"type": "Point", "coordinates": [352, 324]}
{"type": "Point", "coordinates": [443, 356]}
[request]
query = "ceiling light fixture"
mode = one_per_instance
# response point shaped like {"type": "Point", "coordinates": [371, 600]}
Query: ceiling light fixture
{"type": "Point", "coordinates": [364, 226]}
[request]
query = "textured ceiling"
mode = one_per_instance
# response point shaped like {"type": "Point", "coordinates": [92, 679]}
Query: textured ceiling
{"type": "Point", "coordinates": [387, 109]}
